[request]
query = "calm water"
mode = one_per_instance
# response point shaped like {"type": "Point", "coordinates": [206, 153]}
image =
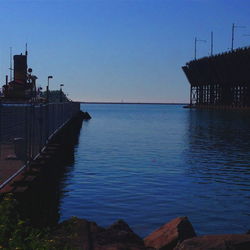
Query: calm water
{"type": "Point", "coordinates": [148, 164]}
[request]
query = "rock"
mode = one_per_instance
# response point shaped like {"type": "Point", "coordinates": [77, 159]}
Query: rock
{"type": "Point", "coordinates": [215, 242]}
{"type": "Point", "coordinates": [168, 235]}
{"type": "Point", "coordinates": [118, 236]}
{"type": "Point", "coordinates": [76, 233]}
{"type": "Point", "coordinates": [83, 234]}
{"type": "Point", "coordinates": [86, 116]}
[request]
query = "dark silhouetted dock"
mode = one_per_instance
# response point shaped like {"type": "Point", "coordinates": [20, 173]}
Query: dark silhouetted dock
{"type": "Point", "coordinates": [220, 81]}
{"type": "Point", "coordinates": [27, 132]}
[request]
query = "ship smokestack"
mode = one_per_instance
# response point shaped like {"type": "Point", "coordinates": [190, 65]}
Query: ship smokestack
{"type": "Point", "coordinates": [20, 68]}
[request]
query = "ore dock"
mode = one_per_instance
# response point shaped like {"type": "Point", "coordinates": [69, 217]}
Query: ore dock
{"type": "Point", "coordinates": [220, 81]}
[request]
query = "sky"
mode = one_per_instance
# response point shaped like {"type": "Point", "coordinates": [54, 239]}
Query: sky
{"type": "Point", "coordinates": [118, 50]}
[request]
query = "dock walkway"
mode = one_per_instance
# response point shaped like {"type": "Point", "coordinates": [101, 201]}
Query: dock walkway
{"type": "Point", "coordinates": [24, 132]}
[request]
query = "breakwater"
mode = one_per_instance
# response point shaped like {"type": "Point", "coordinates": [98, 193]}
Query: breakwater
{"type": "Point", "coordinates": [26, 130]}
{"type": "Point", "coordinates": [222, 80]}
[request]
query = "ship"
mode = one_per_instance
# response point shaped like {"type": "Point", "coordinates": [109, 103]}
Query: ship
{"type": "Point", "coordinates": [23, 86]}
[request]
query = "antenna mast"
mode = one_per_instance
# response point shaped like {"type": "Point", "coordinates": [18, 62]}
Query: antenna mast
{"type": "Point", "coordinates": [26, 49]}
{"type": "Point", "coordinates": [233, 31]}
{"type": "Point", "coordinates": [10, 68]}
{"type": "Point", "coordinates": [212, 42]}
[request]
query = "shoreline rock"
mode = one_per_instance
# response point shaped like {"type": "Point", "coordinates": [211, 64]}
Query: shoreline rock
{"type": "Point", "coordinates": [83, 234]}
{"type": "Point", "coordinates": [178, 234]}
{"type": "Point", "coordinates": [215, 242]}
{"type": "Point", "coordinates": [169, 235]}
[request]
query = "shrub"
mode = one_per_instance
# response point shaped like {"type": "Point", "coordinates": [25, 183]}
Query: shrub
{"type": "Point", "coordinates": [16, 233]}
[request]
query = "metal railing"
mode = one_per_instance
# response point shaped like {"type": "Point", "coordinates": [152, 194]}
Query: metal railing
{"type": "Point", "coordinates": [25, 129]}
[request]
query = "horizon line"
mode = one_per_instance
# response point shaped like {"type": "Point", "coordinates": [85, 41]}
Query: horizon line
{"type": "Point", "coordinates": [155, 103]}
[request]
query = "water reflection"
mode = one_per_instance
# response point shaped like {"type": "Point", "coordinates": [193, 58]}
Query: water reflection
{"type": "Point", "coordinates": [217, 162]}
{"type": "Point", "coordinates": [41, 203]}
{"type": "Point", "coordinates": [219, 143]}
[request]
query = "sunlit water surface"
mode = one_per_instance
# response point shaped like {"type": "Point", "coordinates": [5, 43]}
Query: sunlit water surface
{"type": "Point", "coordinates": [148, 164]}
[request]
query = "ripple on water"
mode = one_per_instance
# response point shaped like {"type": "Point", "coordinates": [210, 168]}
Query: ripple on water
{"type": "Point", "coordinates": [150, 163]}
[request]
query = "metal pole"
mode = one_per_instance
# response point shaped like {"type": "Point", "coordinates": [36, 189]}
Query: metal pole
{"type": "Point", "coordinates": [11, 64]}
{"type": "Point", "coordinates": [195, 44]}
{"type": "Point", "coordinates": [233, 31]}
{"type": "Point", "coordinates": [233, 27]}
{"type": "Point", "coordinates": [212, 42]}
{"type": "Point", "coordinates": [61, 85]}
{"type": "Point", "coordinates": [49, 77]}
{"type": "Point", "coordinates": [48, 90]}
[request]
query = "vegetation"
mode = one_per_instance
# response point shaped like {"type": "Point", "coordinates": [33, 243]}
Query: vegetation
{"type": "Point", "coordinates": [16, 233]}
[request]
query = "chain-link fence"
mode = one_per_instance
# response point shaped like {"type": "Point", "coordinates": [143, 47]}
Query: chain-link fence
{"type": "Point", "coordinates": [25, 129]}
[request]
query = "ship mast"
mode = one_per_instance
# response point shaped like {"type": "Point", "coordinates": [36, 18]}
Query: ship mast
{"type": "Point", "coordinates": [26, 49]}
{"type": "Point", "coordinates": [10, 68]}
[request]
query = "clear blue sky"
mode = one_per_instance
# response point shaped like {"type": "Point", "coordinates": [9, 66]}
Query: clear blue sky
{"type": "Point", "coordinates": [113, 50]}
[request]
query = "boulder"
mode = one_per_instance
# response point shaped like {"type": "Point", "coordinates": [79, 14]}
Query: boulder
{"type": "Point", "coordinates": [215, 242]}
{"type": "Point", "coordinates": [118, 236]}
{"type": "Point", "coordinates": [86, 116]}
{"type": "Point", "coordinates": [76, 233]}
{"type": "Point", "coordinates": [168, 235]}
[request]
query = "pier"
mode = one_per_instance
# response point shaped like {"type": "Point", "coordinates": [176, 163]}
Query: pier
{"type": "Point", "coordinates": [27, 138]}
{"type": "Point", "coordinates": [220, 81]}
{"type": "Point", "coordinates": [30, 124]}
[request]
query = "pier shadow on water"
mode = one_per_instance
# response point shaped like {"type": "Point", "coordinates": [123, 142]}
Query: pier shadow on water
{"type": "Point", "coordinates": [40, 204]}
